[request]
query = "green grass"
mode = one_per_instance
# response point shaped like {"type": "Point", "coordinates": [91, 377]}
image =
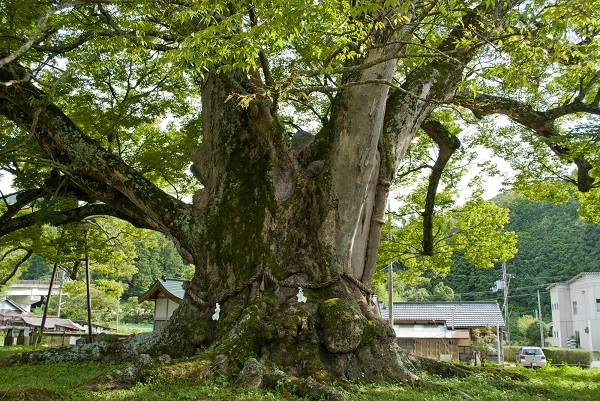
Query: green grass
{"type": "Point", "coordinates": [178, 391]}
{"type": "Point", "coordinates": [63, 382]}
{"type": "Point", "coordinates": [131, 328]}
{"type": "Point", "coordinates": [53, 377]}
{"type": "Point", "coordinates": [5, 352]}
{"type": "Point", "coordinates": [552, 383]}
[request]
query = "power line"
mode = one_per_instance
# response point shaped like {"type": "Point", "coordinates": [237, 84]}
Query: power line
{"type": "Point", "coordinates": [533, 287]}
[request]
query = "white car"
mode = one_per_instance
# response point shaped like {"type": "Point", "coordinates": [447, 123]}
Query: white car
{"type": "Point", "coordinates": [532, 357]}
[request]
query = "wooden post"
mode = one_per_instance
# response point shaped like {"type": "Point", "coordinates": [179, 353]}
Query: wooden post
{"type": "Point", "coordinates": [499, 346]}
{"type": "Point", "coordinates": [39, 338]}
{"type": "Point", "coordinates": [62, 281]}
{"type": "Point", "coordinates": [89, 298]}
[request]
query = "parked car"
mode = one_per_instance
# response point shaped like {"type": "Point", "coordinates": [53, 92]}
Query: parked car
{"type": "Point", "coordinates": [532, 357]}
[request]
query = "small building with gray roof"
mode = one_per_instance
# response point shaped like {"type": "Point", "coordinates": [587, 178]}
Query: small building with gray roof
{"type": "Point", "coordinates": [167, 294]}
{"type": "Point", "coordinates": [445, 330]}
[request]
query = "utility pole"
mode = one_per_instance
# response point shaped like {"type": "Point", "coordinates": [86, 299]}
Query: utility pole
{"type": "Point", "coordinates": [541, 322]}
{"type": "Point", "coordinates": [505, 279]}
{"type": "Point", "coordinates": [62, 281]}
{"type": "Point", "coordinates": [43, 325]}
{"type": "Point", "coordinates": [87, 286]}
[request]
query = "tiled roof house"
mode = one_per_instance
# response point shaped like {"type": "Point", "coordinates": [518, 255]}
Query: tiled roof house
{"type": "Point", "coordinates": [442, 329]}
{"type": "Point", "coordinates": [460, 314]}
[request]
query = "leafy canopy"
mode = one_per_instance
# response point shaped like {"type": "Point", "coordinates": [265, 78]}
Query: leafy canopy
{"type": "Point", "coordinates": [129, 74]}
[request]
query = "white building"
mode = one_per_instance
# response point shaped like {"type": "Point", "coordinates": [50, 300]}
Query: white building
{"type": "Point", "coordinates": [576, 312]}
{"type": "Point", "coordinates": [28, 292]}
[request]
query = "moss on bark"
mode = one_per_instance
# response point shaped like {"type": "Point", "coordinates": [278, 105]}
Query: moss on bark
{"type": "Point", "coordinates": [343, 325]}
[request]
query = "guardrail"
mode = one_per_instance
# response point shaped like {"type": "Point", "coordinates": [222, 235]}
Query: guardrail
{"type": "Point", "coordinates": [19, 335]}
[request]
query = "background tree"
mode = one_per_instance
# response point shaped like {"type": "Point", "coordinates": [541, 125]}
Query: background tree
{"type": "Point", "coordinates": [485, 340]}
{"type": "Point", "coordinates": [475, 229]}
{"type": "Point", "coordinates": [152, 262]}
{"type": "Point", "coordinates": [420, 289]}
{"type": "Point", "coordinates": [85, 83]}
{"type": "Point", "coordinates": [529, 331]}
{"type": "Point", "coordinates": [135, 313]}
{"type": "Point", "coordinates": [36, 269]}
{"type": "Point", "coordinates": [104, 301]}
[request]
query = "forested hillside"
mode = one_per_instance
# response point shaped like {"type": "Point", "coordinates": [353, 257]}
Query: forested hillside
{"type": "Point", "coordinates": [554, 245]}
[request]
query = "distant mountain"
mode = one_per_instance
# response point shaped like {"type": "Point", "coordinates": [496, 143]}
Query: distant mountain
{"type": "Point", "coordinates": [554, 245]}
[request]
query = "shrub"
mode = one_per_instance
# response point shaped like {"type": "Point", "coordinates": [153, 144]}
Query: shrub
{"type": "Point", "coordinates": [510, 353]}
{"type": "Point", "coordinates": [557, 356]}
{"type": "Point", "coordinates": [574, 357]}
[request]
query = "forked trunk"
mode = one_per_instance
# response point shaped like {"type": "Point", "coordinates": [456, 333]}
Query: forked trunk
{"type": "Point", "coordinates": [284, 231]}
{"type": "Point", "coordinates": [283, 242]}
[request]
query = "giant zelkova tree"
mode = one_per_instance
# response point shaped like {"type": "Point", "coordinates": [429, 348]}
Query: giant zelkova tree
{"type": "Point", "coordinates": [294, 116]}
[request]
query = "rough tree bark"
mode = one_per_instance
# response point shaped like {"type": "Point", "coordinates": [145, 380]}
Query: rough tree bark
{"type": "Point", "coordinates": [279, 219]}
{"type": "Point", "coordinates": [276, 218]}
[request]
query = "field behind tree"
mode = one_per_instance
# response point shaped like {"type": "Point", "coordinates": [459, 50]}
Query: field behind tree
{"type": "Point", "coordinates": [70, 381]}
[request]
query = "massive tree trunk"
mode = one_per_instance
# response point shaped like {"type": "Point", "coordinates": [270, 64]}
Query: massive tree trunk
{"type": "Point", "coordinates": [281, 222]}
{"type": "Point", "coordinates": [285, 219]}
{"type": "Point", "coordinates": [276, 219]}
{"type": "Point", "coordinates": [284, 230]}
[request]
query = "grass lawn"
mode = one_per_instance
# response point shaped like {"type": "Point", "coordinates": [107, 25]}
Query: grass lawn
{"type": "Point", "coordinates": [64, 381]}
{"type": "Point", "coordinates": [130, 328]}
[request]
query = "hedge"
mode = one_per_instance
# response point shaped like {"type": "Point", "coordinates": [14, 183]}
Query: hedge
{"type": "Point", "coordinates": [557, 356]}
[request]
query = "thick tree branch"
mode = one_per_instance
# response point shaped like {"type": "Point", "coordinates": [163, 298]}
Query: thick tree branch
{"type": "Point", "coordinates": [59, 218]}
{"type": "Point", "coordinates": [447, 144]}
{"type": "Point", "coordinates": [377, 219]}
{"type": "Point", "coordinates": [51, 187]}
{"type": "Point", "coordinates": [85, 161]}
{"type": "Point", "coordinates": [484, 105]}
{"type": "Point", "coordinates": [425, 87]}
{"type": "Point", "coordinates": [585, 89]}
{"type": "Point", "coordinates": [33, 40]}
{"type": "Point", "coordinates": [24, 259]}
{"type": "Point", "coordinates": [264, 62]}
{"type": "Point", "coordinates": [540, 122]}
{"type": "Point", "coordinates": [66, 47]}
{"type": "Point", "coordinates": [23, 199]}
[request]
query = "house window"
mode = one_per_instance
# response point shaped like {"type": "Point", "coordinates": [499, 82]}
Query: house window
{"type": "Point", "coordinates": [597, 305]}
{"type": "Point", "coordinates": [464, 353]}
{"type": "Point", "coordinates": [407, 344]}
{"type": "Point", "coordinates": [574, 307]}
